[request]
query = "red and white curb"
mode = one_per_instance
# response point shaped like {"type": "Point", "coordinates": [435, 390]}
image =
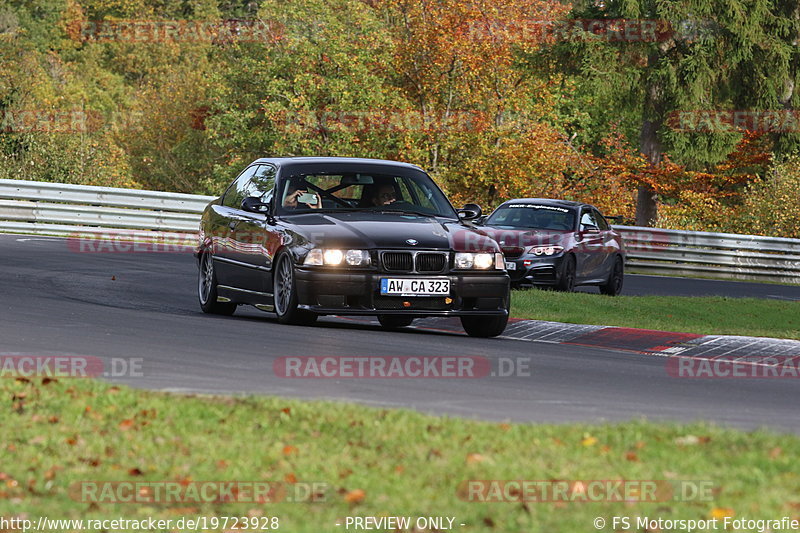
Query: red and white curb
{"type": "Point", "coordinates": [644, 341]}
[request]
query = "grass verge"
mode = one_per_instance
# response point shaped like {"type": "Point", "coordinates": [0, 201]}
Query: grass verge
{"type": "Point", "coordinates": [710, 315]}
{"type": "Point", "coordinates": [375, 462]}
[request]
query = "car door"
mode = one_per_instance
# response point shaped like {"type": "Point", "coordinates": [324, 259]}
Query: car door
{"type": "Point", "coordinates": [606, 257]}
{"type": "Point", "coordinates": [248, 259]}
{"type": "Point", "coordinates": [589, 246]}
{"type": "Point", "coordinates": [228, 213]}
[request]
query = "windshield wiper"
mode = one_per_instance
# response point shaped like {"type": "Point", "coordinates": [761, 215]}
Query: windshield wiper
{"type": "Point", "coordinates": [408, 211]}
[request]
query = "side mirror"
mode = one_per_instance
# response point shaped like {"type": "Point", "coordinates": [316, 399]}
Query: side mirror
{"type": "Point", "coordinates": [470, 212]}
{"type": "Point", "coordinates": [253, 204]}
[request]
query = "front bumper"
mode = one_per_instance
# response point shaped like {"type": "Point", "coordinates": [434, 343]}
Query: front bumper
{"type": "Point", "coordinates": [358, 293]}
{"type": "Point", "coordinates": [539, 270]}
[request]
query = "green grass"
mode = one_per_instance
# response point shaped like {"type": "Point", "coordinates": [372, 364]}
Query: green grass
{"type": "Point", "coordinates": [57, 434]}
{"type": "Point", "coordinates": [709, 315]}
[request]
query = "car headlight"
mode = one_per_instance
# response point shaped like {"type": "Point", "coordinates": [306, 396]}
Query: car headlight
{"type": "Point", "coordinates": [335, 257]}
{"type": "Point", "coordinates": [546, 250]}
{"type": "Point", "coordinates": [480, 261]}
{"type": "Point", "coordinates": [314, 258]}
{"type": "Point", "coordinates": [356, 257]}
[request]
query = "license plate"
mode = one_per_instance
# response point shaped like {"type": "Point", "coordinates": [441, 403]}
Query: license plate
{"type": "Point", "coordinates": [511, 266]}
{"type": "Point", "coordinates": [414, 287]}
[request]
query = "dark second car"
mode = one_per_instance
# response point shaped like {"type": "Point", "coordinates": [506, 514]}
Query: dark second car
{"type": "Point", "coordinates": [558, 243]}
{"type": "Point", "coordinates": [305, 237]}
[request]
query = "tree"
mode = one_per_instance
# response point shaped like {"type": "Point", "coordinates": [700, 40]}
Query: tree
{"type": "Point", "coordinates": [705, 55]}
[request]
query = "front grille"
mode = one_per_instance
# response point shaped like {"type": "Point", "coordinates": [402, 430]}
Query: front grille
{"type": "Point", "coordinates": [431, 262]}
{"type": "Point", "coordinates": [425, 304]}
{"type": "Point", "coordinates": [397, 261]}
{"type": "Point", "coordinates": [512, 252]}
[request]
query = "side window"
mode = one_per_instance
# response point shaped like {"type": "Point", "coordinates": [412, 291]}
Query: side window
{"type": "Point", "coordinates": [262, 183]}
{"type": "Point", "coordinates": [587, 219]}
{"type": "Point", "coordinates": [238, 189]}
{"type": "Point", "coordinates": [422, 193]}
{"type": "Point", "coordinates": [602, 223]}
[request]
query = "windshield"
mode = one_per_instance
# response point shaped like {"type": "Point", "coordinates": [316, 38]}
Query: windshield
{"type": "Point", "coordinates": [533, 216]}
{"type": "Point", "coordinates": [414, 194]}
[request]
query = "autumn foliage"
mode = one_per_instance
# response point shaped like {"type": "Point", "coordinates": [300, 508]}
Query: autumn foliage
{"type": "Point", "coordinates": [445, 84]}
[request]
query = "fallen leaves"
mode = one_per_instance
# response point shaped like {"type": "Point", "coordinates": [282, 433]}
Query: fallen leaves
{"type": "Point", "coordinates": [720, 513]}
{"type": "Point", "coordinates": [475, 458]}
{"type": "Point", "coordinates": [355, 496]}
{"type": "Point", "coordinates": [290, 450]}
{"type": "Point", "coordinates": [588, 441]}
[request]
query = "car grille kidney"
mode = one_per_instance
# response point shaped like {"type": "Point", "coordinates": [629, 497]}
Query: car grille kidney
{"type": "Point", "coordinates": [420, 262]}
{"type": "Point", "coordinates": [513, 252]}
{"type": "Point", "coordinates": [430, 262]}
{"type": "Point", "coordinates": [398, 261]}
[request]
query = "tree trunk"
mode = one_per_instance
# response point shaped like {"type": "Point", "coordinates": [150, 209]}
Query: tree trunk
{"type": "Point", "coordinates": [646, 206]}
{"type": "Point", "coordinates": [652, 119]}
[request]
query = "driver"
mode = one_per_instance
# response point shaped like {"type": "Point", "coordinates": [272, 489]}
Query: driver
{"type": "Point", "coordinates": [384, 195]}
{"type": "Point", "coordinates": [293, 193]}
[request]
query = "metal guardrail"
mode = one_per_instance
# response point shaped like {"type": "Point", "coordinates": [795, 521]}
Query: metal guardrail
{"type": "Point", "coordinates": [79, 210]}
{"type": "Point", "coordinates": [713, 255]}
{"type": "Point", "coordinates": [82, 211]}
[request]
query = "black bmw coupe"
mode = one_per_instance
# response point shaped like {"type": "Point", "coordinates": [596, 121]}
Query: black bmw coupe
{"type": "Point", "coordinates": [305, 237]}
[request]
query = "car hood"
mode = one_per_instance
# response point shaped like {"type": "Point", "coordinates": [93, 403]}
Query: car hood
{"type": "Point", "coordinates": [371, 230]}
{"type": "Point", "coordinates": [519, 238]}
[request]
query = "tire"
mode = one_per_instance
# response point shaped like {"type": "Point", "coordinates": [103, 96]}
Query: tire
{"type": "Point", "coordinates": [615, 279]}
{"type": "Point", "coordinates": [395, 321]}
{"type": "Point", "coordinates": [207, 289]}
{"type": "Point", "coordinates": [484, 326]}
{"type": "Point", "coordinates": [487, 325]}
{"type": "Point", "coordinates": [566, 278]}
{"type": "Point", "coordinates": [285, 294]}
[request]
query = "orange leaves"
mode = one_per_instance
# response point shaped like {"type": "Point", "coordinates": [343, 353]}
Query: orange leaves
{"type": "Point", "coordinates": [140, 419]}
{"type": "Point", "coordinates": [290, 450]}
{"type": "Point", "coordinates": [720, 513]}
{"type": "Point", "coordinates": [475, 458]}
{"type": "Point", "coordinates": [355, 496]}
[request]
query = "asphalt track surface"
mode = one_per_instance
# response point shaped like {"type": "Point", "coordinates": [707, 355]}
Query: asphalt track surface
{"type": "Point", "coordinates": [144, 305]}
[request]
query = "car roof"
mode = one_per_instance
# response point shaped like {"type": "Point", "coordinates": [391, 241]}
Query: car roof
{"type": "Point", "coordinates": [292, 161]}
{"type": "Point", "coordinates": [548, 201]}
